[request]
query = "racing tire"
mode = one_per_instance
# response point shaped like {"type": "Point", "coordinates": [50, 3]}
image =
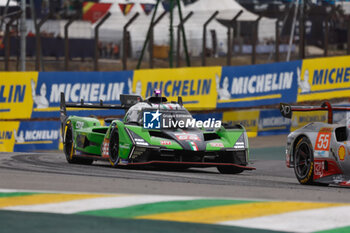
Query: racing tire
{"type": "Point", "coordinates": [304, 161]}
{"type": "Point", "coordinates": [69, 150]}
{"type": "Point", "coordinates": [114, 148]}
{"type": "Point", "coordinates": [229, 169]}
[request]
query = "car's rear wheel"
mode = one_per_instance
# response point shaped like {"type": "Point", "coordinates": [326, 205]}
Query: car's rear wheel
{"type": "Point", "coordinates": [68, 147]}
{"type": "Point", "coordinates": [304, 161]}
{"type": "Point", "coordinates": [229, 169]}
{"type": "Point", "coordinates": [114, 148]}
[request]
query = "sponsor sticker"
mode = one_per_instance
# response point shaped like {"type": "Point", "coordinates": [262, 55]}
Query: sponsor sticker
{"type": "Point", "coordinates": [187, 137]}
{"type": "Point", "coordinates": [319, 167]}
{"type": "Point", "coordinates": [341, 152]}
{"type": "Point", "coordinates": [322, 153]}
{"type": "Point", "coordinates": [216, 144]}
{"type": "Point", "coordinates": [165, 143]}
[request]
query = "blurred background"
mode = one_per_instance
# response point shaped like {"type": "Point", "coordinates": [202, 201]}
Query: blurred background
{"type": "Point", "coordinates": [110, 35]}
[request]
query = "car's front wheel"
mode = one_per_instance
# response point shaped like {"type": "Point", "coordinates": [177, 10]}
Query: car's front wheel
{"type": "Point", "coordinates": [114, 148]}
{"type": "Point", "coordinates": [304, 161]}
{"type": "Point", "coordinates": [68, 147]}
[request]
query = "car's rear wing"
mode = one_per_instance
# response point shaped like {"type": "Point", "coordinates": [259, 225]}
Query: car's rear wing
{"type": "Point", "coordinates": [286, 109]}
{"type": "Point", "coordinates": [126, 102]}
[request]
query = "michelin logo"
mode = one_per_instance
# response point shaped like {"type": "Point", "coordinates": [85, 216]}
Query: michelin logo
{"type": "Point", "coordinates": [138, 89]}
{"type": "Point", "coordinates": [223, 92]}
{"type": "Point", "coordinates": [90, 92]}
{"type": "Point", "coordinates": [40, 100]}
{"type": "Point", "coordinates": [273, 122]}
{"type": "Point", "coordinates": [256, 84]}
{"type": "Point", "coordinates": [36, 135]}
{"type": "Point", "coordinates": [304, 84]}
{"type": "Point", "coordinates": [330, 76]}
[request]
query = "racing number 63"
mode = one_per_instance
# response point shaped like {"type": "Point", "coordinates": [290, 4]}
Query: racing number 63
{"type": "Point", "coordinates": [322, 142]}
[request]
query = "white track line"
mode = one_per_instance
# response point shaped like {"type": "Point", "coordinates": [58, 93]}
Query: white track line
{"type": "Point", "coordinates": [70, 207]}
{"type": "Point", "coordinates": [299, 221]}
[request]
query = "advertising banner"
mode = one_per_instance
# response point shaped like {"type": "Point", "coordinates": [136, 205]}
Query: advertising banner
{"type": "Point", "coordinates": [248, 118]}
{"type": "Point", "coordinates": [18, 136]}
{"type": "Point", "coordinates": [7, 135]}
{"type": "Point", "coordinates": [249, 86]}
{"type": "Point", "coordinates": [271, 122]}
{"type": "Point", "coordinates": [89, 86]}
{"type": "Point", "coordinates": [197, 86]}
{"type": "Point", "coordinates": [299, 119]}
{"type": "Point", "coordinates": [15, 94]}
{"type": "Point", "coordinates": [37, 135]}
{"type": "Point", "coordinates": [324, 78]}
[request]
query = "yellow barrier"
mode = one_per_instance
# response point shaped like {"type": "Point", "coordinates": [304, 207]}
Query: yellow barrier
{"type": "Point", "coordinates": [324, 78]}
{"type": "Point", "coordinates": [248, 118]}
{"type": "Point", "coordinates": [16, 94]}
{"type": "Point", "coordinates": [197, 86]}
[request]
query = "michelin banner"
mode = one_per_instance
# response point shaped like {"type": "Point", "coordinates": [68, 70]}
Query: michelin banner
{"type": "Point", "coordinates": [18, 136]}
{"type": "Point", "coordinates": [197, 86]}
{"type": "Point", "coordinates": [250, 86]}
{"type": "Point", "coordinates": [15, 94]}
{"type": "Point", "coordinates": [33, 95]}
{"type": "Point", "coordinates": [271, 122]}
{"type": "Point", "coordinates": [89, 86]}
{"type": "Point", "coordinates": [324, 78]}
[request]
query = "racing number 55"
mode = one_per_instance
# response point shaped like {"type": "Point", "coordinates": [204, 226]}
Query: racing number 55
{"type": "Point", "coordinates": [322, 141]}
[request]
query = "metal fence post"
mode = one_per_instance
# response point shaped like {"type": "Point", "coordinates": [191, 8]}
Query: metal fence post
{"type": "Point", "coordinates": [178, 45]}
{"type": "Point", "coordinates": [126, 41]}
{"type": "Point", "coordinates": [104, 18]}
{"type": "Point", "coordinates": [255, 39]}
{"type": "Point", "coordinates": [277, 42]}
{"type": "Point", "coordinates": [229, 43]}
{"type": "Point", "coordinates": [151, 38]}
{"type": "Point", "coordinates": [204, 43]}
{"type": "Point", "coordinates": [8, 38]}
{"type": "Point", "coordinates": [348, 52]}
{"type": "Point", "coordinates": [302, 31]}
{"type": "Point", "coordinates": [66, 44]}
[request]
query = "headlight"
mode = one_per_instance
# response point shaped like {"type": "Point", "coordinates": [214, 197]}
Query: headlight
{"type": "Point", "coordinates": [141, 142]}
{"type": "Point", "coordinates": [136, 139]}
{"type": "Point", "coordinates": [240, 143]}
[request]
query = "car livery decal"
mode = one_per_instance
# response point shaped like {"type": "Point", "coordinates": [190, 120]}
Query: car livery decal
{"type": "Point", "coordinates": [184, 137]}
{"type": "Point", "coordinates": [105, 148]}
{"type": "Point", "coordinates": [165, 143]}
{"type": "Point", "coordinates": [217, 144]}
{"type": "Point", "coordinates": [341, 152]}
{"type": "Point", "coordinates": [194, 146]}
{"type": "Point", "coordinates": [319, 167]}
{"type": "Point", "coordinates": [323, 139]}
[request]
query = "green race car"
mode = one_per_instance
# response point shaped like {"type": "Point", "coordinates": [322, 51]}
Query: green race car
{"type": "Point", "coordinates": [153, 132]}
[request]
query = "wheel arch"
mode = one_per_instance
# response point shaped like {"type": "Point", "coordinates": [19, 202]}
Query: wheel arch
{"type": "Point", "coordinates": [296, 140]}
